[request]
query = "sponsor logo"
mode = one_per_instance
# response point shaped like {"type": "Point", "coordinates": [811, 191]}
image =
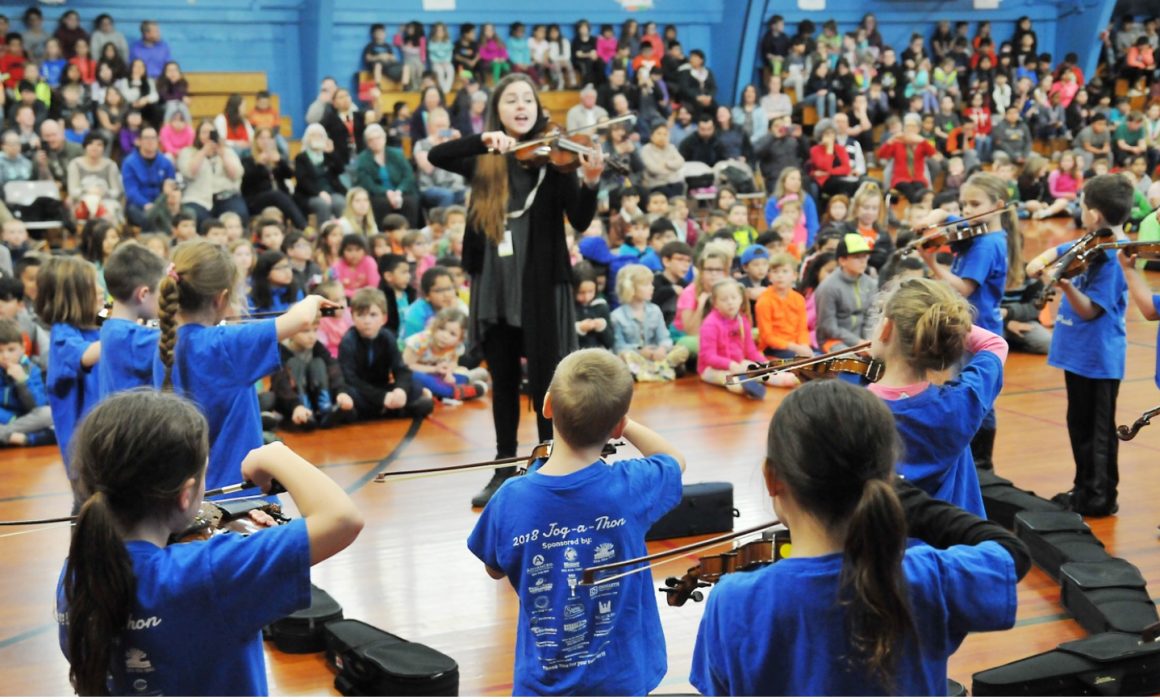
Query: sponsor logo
{"type": "Point", "coordinates": [604, 607]}
{"type": "Point", "coordinates": [604, 551]}
{"type": "Point", "coordinates": [572, 611]}
{"type": "Point", "coordinates": [577, 626]}
{"type": "Point", "coordinates": [541, 602]}
{"type": "Point", "coordinates": [540, 586]}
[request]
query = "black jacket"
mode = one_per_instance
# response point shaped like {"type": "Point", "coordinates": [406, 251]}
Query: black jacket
{"type": "Point", "coordinates": [374, 379]}
{"type": "Point", "coordinates": [596, 339]}
{"type": "Point", "coordinates": [308, 184]}
{"type": "Point", "coordinates": [337, 132]}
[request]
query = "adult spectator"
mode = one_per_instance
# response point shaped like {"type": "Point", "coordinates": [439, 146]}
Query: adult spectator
{"type": "Point", "coordinates": [775, 101]}
{"type": "Point", "coordinates": [733, 139]}
{"type": "Point", "coordinates": [317, 170]}
{"type": "Point", "coordinates": [144, 172]}
{"type": "Point", "coordinates": [151, 49]}
{"type": "Point", "coordinates": [432, 98]}
{"type": "Point", "coordinates": [437, 187]}
{"type": "Point", "coordinates": [105, 32]}
{"type": "Point", "coordinates": [55, 152]}
{"type": "Point", "coordinates": [907, 152]}
{"type": "Point", "coordinates": [750, 116]}
{"type": "Point", "coordinates": [344, 125]}
{"type": "Point", "coordinates": [213, 176]}
{"type": "Point", "coordinates": [662, 163]}
{"type": "Point", "coordinates": [317, 109]}
{"type": "Point", "coordinates": [265, 179]}
{"type": "Point", "coordinates": [14, 167]}
{"type": "Point", "coordinates": [703, 146]}
{"type": "Point", "coordinates": [778, 150]}
{"type": "Point", "coordinates": [385, 174]}
{"type": "Point", "coordinates": [94, 174]}
{"type": "Point", "coordinates": [465, 99]}
{"type": "Point", "coordinates": [696, 85]}
{"type": "Point", "coordinates": [586, 113]}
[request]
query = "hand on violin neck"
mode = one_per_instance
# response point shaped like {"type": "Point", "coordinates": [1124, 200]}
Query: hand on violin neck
{"type": "Point", "coordinates": [592, 166]}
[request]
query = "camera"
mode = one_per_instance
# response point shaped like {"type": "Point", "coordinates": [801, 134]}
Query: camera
{"type": "Point", "coordinates": [213, 136]}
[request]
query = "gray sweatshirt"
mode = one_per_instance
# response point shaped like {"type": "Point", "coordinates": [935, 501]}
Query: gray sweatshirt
{"type": "Point", "coordinates": [845, 306]}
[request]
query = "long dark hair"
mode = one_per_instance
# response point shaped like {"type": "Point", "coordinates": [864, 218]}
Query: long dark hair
{"type": "Point", "coordinates": [834, 446]}
{"type": "Point", "coordinates": [134, 454]}
{"type": "Point", "coordinates": [92, 243]}
{"type": "Point", "coordinates": [489, 184]}
{"type": "Point", "coordinates": [261, 294]}
{"type": "Point", "coordinates": [233, 111]}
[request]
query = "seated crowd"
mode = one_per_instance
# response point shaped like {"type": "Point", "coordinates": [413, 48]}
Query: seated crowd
{"type": "Point", "coordinates": [716, 250]}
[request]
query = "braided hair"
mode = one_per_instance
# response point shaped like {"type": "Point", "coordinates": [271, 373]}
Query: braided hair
{"type": "Point", "coordinates": [200, 273]}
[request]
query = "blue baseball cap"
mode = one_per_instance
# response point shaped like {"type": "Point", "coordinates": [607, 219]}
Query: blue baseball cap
{"type": "Point", "coordinates": [752, 253]}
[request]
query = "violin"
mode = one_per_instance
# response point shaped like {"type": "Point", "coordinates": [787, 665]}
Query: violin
{"type": "Point", "coordinates": [938, 235]}
{"type": "Point", "coordinates": [244, 516]}
{"type": "Point", "coordinates": [1125, 433]}
{"type": "Point", "coordinates": [773, 546]}
{"type": "Point", "coordinates": [561, 150]}
{"type": "Point", "coordinates": [1073, 262]}
{"type": "Point", "coordinates": [522, 464]}
{"type": "Point", "coordinates": [819, 367]}
{"type": "Point", "coordinates": [264, 315]}
{"type": "Point", "coordinates": [708, 569]}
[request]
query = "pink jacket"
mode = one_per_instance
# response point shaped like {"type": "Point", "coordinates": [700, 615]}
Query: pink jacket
{"type": "Point", "coordinates": [726, 340]}
{"type": "Point", "coordinates": [354, 279]}
{"type": "Point", "coordinates": [332, 328]}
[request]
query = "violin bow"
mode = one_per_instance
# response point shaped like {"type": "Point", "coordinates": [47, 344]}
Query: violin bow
{"type": "Point", "coordinates": [262, 315]}
{"type": "Point", "coordinates": [609, 449]}
{"type": "Point", "coordinates": [1125, 433]}
{"type": "Point", "coordinates": [769, 368]}
{"type": "Point", "coordinates": [563, 134]}
{"type": "Point", "coordinates": [588, 575]}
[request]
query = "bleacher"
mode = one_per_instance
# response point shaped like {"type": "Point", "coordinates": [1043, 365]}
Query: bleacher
{"type": "Point", "coordinates": [208, 93]}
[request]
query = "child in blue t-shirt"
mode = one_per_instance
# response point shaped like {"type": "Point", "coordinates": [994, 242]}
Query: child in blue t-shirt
{"type": "Point", "coordinates": [25, 418]}
{"type": "Point", "coordinates": [217, 365]}
{"type": "Point", "coordinates": [138, 617]}
{"type": "Point", "coordinates": [1147, 302]}
{"type": "Point", "coordinates": [132, 275]}
{"type": "Point", "coordinates": [979, 273]}
{"type": "Point", "coordinates": [573, 511]}
{"type": "Point", "coordinates": [69, 298]}
{"type": "Point", "coordinates": [1090, 345]}
{"type": "Point", "coordinates": [439, 292]}
{"type": "Point", "coordinates": [856, 610]}
{"type": "Point", "coordinates": [925, 328]}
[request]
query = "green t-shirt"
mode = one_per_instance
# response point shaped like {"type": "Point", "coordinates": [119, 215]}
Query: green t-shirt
{"type": "Point", "coordinates": [1129, 136]}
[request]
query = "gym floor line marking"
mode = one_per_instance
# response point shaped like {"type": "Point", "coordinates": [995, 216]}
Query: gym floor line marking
{"type": "Point", "coordinates": [385, 462]}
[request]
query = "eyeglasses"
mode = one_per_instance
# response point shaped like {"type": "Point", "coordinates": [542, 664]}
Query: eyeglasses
{"type": "Point", "coordinates": [718, 270]}
{"type": "Point", "coordinates": [281, 266]}
{"type": "Point", "coordinates": [442, 290]}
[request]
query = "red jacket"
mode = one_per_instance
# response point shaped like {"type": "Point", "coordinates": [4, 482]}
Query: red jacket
{"type": "Point", "coordinates": [827, 164]}
{"type": "Point", "coordinates": [896, 150]}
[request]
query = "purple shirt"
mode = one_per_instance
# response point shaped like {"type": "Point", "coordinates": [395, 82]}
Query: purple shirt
{"type": "Point", "coordinates": [155, 56]}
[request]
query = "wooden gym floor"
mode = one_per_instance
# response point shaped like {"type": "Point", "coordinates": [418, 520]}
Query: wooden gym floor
{"type": "Point", "coordinates": [410, 571]}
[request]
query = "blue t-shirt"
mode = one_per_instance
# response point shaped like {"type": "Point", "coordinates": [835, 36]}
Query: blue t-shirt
{"type": "Point", "coordinates": [127, 352]}
{"type": "Point", "coordinates": [780, 630]}
{"type": "Point", "coordinates": [652, 260]}
{"type": "Point", "coordinates": [542, 531]}
{"type": "Point", "coordinates": [1095, 349]}
{"type": "Point", "coordinates": [416, 317]}
{"type": "Point", "coordinates": [983, 260]}
{"type": "Point", "coordinates": [216, 367]}
{"type": "Point", "coordinates": [1156, 305]}
{"type": "Point", "coordinates": [937, 426]}
{"type": "Point", "coordinates": [72, 389]}
{"type": "Point", "coordinates": [196, 626]}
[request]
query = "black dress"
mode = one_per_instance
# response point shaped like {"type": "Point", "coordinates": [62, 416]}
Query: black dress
{"type": "Point", "coordinates": [542, 329]}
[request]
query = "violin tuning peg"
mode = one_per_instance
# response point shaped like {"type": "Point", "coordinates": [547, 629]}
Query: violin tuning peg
{"type": "Point", "coordinates": [671, 581]}
{"type": "Point", "coordinates": [697, 596]}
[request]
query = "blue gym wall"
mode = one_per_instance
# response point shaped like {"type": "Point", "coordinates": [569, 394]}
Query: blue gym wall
{"type": "Point", "coordinates": [296, 42]}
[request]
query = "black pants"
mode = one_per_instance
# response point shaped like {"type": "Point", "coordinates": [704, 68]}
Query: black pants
{"type": "Point", "coordinates": [410, 209]}
{"type": "Point", "coordinates": [1091, 425]}
{"type": "Point", "coordinates": [280, 201]}
{"type": "Point", "coordinates": [503, 346]}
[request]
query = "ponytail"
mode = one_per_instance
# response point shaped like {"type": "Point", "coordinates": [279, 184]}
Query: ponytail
{"type": "Point", "coordinates": [931, 322]}
{"type": "Point", "coordinates": [99, 587]}
{"type": "Point", "coordinates": [167, 319]}
{"type": "Point", "coordinates": [873, 588]}
{"type": "Point", "coordinates": [135, 454]}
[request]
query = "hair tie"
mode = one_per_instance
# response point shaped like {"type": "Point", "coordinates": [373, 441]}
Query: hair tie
{"type": "Point", "coordinates": [171, 273]}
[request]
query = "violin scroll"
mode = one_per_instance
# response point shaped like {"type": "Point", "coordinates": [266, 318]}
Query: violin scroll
{"type": "Point", "coordinates": [1126, 433]}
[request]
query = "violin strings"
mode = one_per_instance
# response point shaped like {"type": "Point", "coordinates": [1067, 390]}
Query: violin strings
{"type": "Point", "coordinates": [675, 557]}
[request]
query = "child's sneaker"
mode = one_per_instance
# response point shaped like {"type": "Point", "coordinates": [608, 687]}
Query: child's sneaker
{"type": "Point", "coordinates": [450, 402]}
{"type": "Point", "coordinates": [324, 404]}
{"type": "Point", "coordinates": [665, 371]}
{"type": "Point", "coordinates": [464, 392]}
{"type": "Point", "coordinates": [785, 379]}
{"type": "Point", "coordinates": [637, 365]}
{"type": "Point", "coordinates": [678, 356]}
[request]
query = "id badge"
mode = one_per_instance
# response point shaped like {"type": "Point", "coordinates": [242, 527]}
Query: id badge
{"type": "Point", "coordinates": [506, 248]}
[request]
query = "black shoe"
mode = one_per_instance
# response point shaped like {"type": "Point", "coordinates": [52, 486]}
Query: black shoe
{"type": "Point", "coordinates": [1063, 499]}
{"type": "Point", "coordinates": [271, 419]}
{"type": "Point", "coordinates": [421, 407]}
{"type": "Point", "coordinates": [480, 499]}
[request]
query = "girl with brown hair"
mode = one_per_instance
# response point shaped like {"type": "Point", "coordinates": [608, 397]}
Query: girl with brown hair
{"type": "Point", "coordinates": [517, 255]}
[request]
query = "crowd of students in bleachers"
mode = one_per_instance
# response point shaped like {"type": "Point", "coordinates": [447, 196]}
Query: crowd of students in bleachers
{"type": "Point", "coordinates": [360, 206]}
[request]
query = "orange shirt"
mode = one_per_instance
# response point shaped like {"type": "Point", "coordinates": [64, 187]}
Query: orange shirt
{"type": "Point", "coordinates": [781, 320]}
{"type": "Point", "coordinates": [265, 118]}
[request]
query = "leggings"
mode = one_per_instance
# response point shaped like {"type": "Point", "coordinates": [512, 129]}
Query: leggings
{"type": "Point", "coordinates": [503, 346]}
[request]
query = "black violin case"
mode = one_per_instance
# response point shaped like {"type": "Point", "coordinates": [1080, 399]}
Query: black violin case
{"type": "Point", "coordinates": [301, 632]}
{"type": "Point", "coordinates": [372, 662]}
{"type": "Point", "coordinates": [705, 508]}
{"type": "Point", "coordinates": [1107, 664]}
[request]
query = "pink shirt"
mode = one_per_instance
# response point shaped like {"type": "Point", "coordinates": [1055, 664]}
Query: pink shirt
{"type": "Point", "coordinates": [685, 302]}
{"type": "Point", "coordinates": [173, 141]}
{"type": "Point", "coordinates": [1062, 183]}
{"type": "Point", "coordinates": [725, 340]}
{"type": "Point", "coordinates": [332, 328]}
{"type": "Point", "coordinates": [365, 274]}
{"type": "Point", "coordinates": [606, 48]}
